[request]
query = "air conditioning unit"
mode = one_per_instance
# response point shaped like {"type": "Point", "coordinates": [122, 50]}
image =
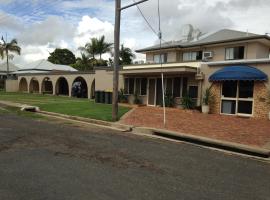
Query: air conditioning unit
{"type": "Point", "coordinates": [207, 54]}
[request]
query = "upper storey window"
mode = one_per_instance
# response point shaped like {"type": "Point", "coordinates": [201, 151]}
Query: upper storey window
{"type": "Point", "coordinates": [234, 53]}
{"type": "Point", "coordinates": [192, 56]}
{"type": "Point", "coordinates": [162, 56]}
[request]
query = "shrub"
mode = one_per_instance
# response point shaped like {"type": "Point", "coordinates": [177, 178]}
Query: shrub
{"type": "Point", "coordinates": [187, 102]}
{"type": "Point", "coordinates": [208, 97]}
{"type": "Point", "coordinates": [122, 97]}
{"type": "Point", "coordinates": [169, 101]}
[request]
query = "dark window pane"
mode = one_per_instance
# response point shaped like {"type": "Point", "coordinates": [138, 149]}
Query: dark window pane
{"type": "Point", "coordinates": [199, 55]}
{"type": "Point", "coordinates": [193, 91]}
{"type": "Point", "coordinates": [176, 87]}
{"type": "Point", "coordinates": [185, 83]}
{"type": "Point", "coordinates": [169, 86]}
{"type": "Point", "coordinates": [126, 86]}
{"type": "Point", "coordinates": [137, 88]}
{"type": "Point", "coordinates": [246, 89]}
{"type": "Point", "coordinates": [239, 52]}
{"type": "Point", "coordinates": [245, 107]}
{"type": "Point", "coordinates": [131, 86]}
{"type": "Point", "coordinates": [229, 88]}
{"type": "Point", "coordinates": [228, 107]}
{"type": "Point", "coordinates": [143, 86]}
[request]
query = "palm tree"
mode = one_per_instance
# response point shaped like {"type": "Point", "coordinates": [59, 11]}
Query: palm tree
{"type": "Point", "coordinates": [91, 47]}
{"type": "Point", "coordinates": [126, 55]}
{"type": "Point", "coordinates": [7, 47]}
{"type": "Point", "coordinates": [102, 46]}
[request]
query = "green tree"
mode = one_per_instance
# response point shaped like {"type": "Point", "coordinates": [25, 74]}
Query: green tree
{"type": "Point", "coordinates": [83, 63]}
{"type": "Point", "coordinates": [91, 48]}
{"type": "Point", "coordinates": [62, 57]}
{"type": "Point", "coordinates": [103, 47]}
{"type": "Point", "coordinates": [126, 55]}
{"type": "Point", "coordinates": [7, 47]}
{"type": "Point", "coordinates": [96, 46]}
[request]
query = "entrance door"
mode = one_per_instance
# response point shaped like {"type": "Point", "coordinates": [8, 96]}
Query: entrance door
{"type": "Point", "coordinates": [151, 91]}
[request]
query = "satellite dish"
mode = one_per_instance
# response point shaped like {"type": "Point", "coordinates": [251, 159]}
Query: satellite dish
{"type": "Point", "coordinates": [187, 32]}
{"type": "Point", "coordinates": [196, 34]}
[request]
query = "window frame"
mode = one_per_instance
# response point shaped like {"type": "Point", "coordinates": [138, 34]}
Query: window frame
{"type": "Point", "coordinates": [237, 99]}
{"type": "Point", "coordinates": [164, 58]}
{"type": "Point", "coordinates": [129, 85]}
{"type": "Point", "coordinates": [233, 52]}
{"type": "Point", "coordinates": [190, 55]}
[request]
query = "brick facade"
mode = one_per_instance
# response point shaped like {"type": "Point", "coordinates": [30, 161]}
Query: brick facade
{"type": "Point", "coordinates": [215, 104]}
{"type": "Point", "coordinates": [261, 101]}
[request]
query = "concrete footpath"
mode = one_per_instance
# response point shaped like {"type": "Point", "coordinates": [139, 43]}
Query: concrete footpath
{"type": "Point", "coordinates": [154, 133]}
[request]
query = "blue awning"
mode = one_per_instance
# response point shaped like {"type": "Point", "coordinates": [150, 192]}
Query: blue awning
{"type": "Point", "coordinates": [238, 73]}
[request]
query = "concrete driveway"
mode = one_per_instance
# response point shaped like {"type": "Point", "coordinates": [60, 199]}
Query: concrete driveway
{"type": "Point", "coordinates": [55, 160]}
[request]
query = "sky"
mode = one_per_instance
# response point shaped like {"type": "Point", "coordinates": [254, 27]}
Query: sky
{"type": "Point", "coordinates": [40, 26]}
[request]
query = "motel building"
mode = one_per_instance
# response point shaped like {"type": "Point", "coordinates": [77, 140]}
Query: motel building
{"type": "Point", "coordinates": [234, 65]}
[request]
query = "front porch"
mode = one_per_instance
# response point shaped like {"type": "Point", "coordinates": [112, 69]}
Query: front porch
{"type": "Point", "coordinates": [143, 85]}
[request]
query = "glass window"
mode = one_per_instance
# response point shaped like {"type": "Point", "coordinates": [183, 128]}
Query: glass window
{"type": "Point", "coordinates": [229, 89]}
{"type": "Point", "coordinates": [138, 83]}
{"type": "Point", "coordinates": [193, 92]}
{"type": "Point", "coordinates": [143, 86]}
{"type": "Point", "coordinates": [169, 86]}
{"type": "Point", "coordinates": [176, 87]}
{"type": "Point", "coordinates": [235, 53]}
{"type": "Point", "coordinates": [192, 56]}
{"type": "Point", "coordinates": [228, 106]}
{"type": "Point", "coordinates": [184, 89]}
{"type": "Point", "coordinates": [245, 107]}
{"type": "Point", "coordinates": [246, 89]}
{"type": "Point", "coordinates": [126, 86]}
{"type": "Point", "coordinates": [131, 86]}
{"type": "Point", "coordinates": [163, 58]}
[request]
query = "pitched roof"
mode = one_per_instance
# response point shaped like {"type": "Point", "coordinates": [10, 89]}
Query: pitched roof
{"type": "Point", "coordinates": [224, 35]}
{"type": "Point", "coordinates": [44, 65]}
{"type": "Point", "coordinates": [12, 67]}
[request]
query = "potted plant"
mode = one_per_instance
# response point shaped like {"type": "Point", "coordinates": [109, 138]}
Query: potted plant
{"type": "Point", "coordinates": [187, 102]}
{"type": "Point", "coordinates": [206, 100]}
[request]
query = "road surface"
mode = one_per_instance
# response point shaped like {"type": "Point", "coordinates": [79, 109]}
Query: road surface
{"type": "Point", "coordinates": [42, 159]}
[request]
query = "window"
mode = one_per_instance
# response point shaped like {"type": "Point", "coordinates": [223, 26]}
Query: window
{"type": "Point", "coordinates": [229, 89]}
{"type": "Point", "coordinates": [193, 92]}
{"type": "Point", "coordinates": [192, 56]}
{"type": "Point", "coordinates": [138, 85]}
{"type": "Point", "coordinates": [143, 86]}
{"type": "Point", "coordinates": [234, 53]}
{"type": "Point", "coordinates": [177, 87]}
{"type": "Point", "coordinates": [169, 86]}
{"type": "Point", "coordinates": [129, 85]}
{"type": "Point", "coordinates": [237, 97]}
{"type": "Point", "coordinates": [163, 58]}
{"type": "Point", "coordinates": [126, 86]}
{"type": "Point", "coordinates": [185, 84]}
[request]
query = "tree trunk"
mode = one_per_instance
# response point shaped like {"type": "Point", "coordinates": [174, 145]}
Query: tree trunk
{"type": "Point", "coordinates": [100, 56]}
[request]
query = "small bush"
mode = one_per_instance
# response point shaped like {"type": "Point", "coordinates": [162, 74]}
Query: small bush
{"type": "Point", "coordinates": [187, 102]}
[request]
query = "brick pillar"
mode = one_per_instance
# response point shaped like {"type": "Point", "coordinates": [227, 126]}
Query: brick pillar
{"type": "Point", "coordinates": [216, 91]}
{"type": "Point", "coordinates": [261, 105]}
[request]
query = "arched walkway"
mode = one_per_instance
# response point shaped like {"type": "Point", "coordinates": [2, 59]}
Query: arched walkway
{"type": "Point", "coordinates": [34, 86]}
{"type": "Point", "coordinates": [93, 89]}
{"type": "Point", "coordinates": [23, 87]}
{"type": "Point", "coordinates": [79, 88]}
{"type": "Point", "coordinates": [47, 86]}
{"type": "Point", "coordinates": [61, 86]}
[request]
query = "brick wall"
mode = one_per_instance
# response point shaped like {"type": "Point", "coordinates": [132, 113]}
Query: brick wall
{"type": "Point", "coordinates": [261, 99]}
{"type": "Point", "coordinates": [216, 91]}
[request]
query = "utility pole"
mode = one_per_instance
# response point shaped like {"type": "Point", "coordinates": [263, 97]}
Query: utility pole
{"type": "Point", "coordinates": [117, 23]}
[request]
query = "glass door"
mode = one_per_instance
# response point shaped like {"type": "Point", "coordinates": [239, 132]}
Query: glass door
{"type": "Point", "coordinates": [152, 92]}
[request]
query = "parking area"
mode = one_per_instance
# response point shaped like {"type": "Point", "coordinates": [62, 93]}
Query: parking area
{"type": "Point", "coordinates": [246, 131]}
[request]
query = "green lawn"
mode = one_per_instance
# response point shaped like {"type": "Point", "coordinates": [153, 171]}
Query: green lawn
{"type": "Point", "coordinates": [65, 105]}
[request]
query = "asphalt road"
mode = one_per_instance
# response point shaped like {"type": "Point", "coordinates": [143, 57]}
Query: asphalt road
{"type": "Point", "coordinates": [51, 160]}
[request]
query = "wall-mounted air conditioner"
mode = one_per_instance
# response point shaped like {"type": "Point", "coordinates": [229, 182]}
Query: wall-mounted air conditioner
{"type": "Point", "coordinates": [207, 54]}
